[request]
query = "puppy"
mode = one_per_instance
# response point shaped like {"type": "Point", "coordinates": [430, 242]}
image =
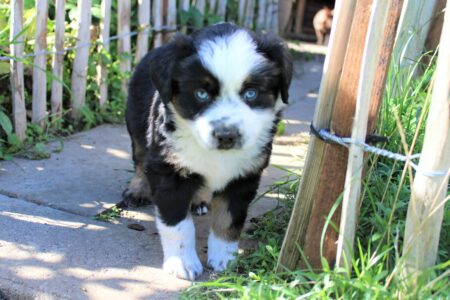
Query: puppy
{"type": "Point", "coordinates": [202, 112]}
{"type": "Point", "coordinates": [322, 22]}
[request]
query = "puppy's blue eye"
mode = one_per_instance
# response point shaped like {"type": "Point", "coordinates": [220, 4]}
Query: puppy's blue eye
{"type": "Point", "coordinates": [250, 94]}
{"type": "Point", "coordinates": [201, 95]}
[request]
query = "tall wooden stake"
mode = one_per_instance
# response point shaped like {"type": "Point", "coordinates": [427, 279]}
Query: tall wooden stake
{"type": "Point", "coordinates": [296, 231]}
{"type": "Point", "coordinates": [426, 207]}
{"type": "Point", "coordinates": [384, 19]}
{"type": "Point", "coordinates": [144, 24]}
{"type": "Point", "coordinates": [102, 70]}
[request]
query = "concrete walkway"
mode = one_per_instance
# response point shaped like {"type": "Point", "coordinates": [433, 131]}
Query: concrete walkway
{"type": "Point", "coordinates": [52, 248]}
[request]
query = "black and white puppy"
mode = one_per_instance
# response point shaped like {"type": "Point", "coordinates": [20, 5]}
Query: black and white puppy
{"type": "Point", "coordinates": [202, 112]}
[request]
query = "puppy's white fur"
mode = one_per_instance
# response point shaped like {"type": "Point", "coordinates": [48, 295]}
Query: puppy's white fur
{"type": "Point", "coordinates": [178, 243]}
{"type": "Point", "coordinates": [220, 252]}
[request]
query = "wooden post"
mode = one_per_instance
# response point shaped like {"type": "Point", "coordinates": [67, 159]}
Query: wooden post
{"type": "Point", "coordinates": [378, 47]}
{"type": "Point", "coordinates": [157, 22]}
{"type": "Point", "coordinates": [300, 218]}
{"type": "Point", "coordinates": [272, 15]}
{"type": "Point", "coordinates": [39, 105]}
{"type": "Point", "coordinates": [426, 207]}
{"type": "Point", "coordinates": [102, 70]}
{"type": "Point", "coordinates": [144, 26]}
{"type": "Point", "coordinates": [262, 5]}
{"type": "Point", "coordinates": [249, 14]}
{"type": "Point", "coordinates": [299, 16]}
{"type": "Point", "coordinates": [222, 9]}
{"type": "Point", "coordinates": [241, 12]}
{"type": "Point", "coordinates": [80, 63]}
{"type": "Point", "coordinates": [124, 42]}
{"type": "Point", "coordinates": [412, 31]}
{"type": "Point", "coordinates": [16, 67]}
{"type": "Point", "coordinates": [57, 87]}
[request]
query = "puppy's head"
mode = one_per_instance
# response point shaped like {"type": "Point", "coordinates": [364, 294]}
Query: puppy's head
{"type": "Point", "coordinates": [225, 85]}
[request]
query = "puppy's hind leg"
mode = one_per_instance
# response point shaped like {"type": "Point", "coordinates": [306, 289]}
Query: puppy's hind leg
{"type": "Point", "coordinates": [138, 191]}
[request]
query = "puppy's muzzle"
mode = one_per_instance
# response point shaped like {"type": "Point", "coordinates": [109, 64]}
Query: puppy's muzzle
{"type": "Point", "coordinates": [227, 137]}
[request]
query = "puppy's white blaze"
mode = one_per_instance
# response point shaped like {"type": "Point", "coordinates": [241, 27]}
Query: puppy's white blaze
{"type": "Point", "coordinates": [178, 243]}
{"type": "Point", "coordinates": [194, 149]}
{"type": "Point", "coordinates": [220, 252]}
{"type": "Point", "coordinates": [231, 59]}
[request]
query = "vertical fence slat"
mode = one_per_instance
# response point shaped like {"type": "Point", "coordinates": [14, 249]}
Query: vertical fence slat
{"type": "Point", "coordinates": [305, 200]}
{"type": "Point", "coordinates": [200, 5]}
{"type": "Point", "coordinates": [144, 23]}
{"type": "Point", "coordinates": [273, 13]}
{"type": "Point", "coordinates": [212, 7]}
{"type": "Point", "coordinates": [374, 50]}
{"type": "Point", "coordinates": [241, 12]}
{"type": "Point", "coordinates": [124, 43]}
{"type": "Point", "coordinates": [261, 14]}
{"type": "Point", "coordinates": [17, 87]}
{"type": "Point", "coordinates": [57, 64]}
{"type": "Point", "coordinates": [102, 70]}
{"type": "Point", "coordinates": [157, 22]}
{"type": "Point", "coordinates": [39, 69]}
{"type": "Point", "coordinates": [222, 9]}
{"type": "Point", "coordinates": [426, 207]}
{"type": "Point", "coordinates": [171, 17]}
{"type": "Point", "coordinates": [80, 63]}
{"type": "Point", "coordinates": [185, 7]}
{"type": "Point", "coordinates": [249, 13]}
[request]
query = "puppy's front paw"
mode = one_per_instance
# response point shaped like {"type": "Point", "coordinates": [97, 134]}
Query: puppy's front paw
{"type": "Point", "coordinates": [183, 267]}
{"type": "Point", "coordinates": [220, 252]}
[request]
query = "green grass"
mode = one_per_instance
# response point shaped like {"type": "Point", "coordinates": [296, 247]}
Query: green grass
{"type": "Point", "coordinates": [377, 263]}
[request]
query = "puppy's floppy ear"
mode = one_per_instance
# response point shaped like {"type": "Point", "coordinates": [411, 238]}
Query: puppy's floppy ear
{"type": "Point", "coordinates": [275, 50]}
{"type": "Point", "coordinates": [163, 61]}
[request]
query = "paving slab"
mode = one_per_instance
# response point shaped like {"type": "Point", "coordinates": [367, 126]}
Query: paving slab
{"type": "Point", "coordinates": [52, 248]}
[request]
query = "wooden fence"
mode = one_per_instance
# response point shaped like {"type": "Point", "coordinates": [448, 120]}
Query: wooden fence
{"type": "Point", "coordinates": [157, 19]}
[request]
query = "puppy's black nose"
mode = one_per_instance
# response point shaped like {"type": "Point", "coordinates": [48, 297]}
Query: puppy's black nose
{"type": "Point", "coordinates": [227, 137]}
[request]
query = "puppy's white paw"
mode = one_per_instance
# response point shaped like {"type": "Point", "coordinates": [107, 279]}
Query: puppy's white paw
{"type": "Point", "coordinates": [220, 252]}
{"type": "Point", "coordinates": [183, 267]}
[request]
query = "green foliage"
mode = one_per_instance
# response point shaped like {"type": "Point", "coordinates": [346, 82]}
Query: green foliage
{"type": "Point", "coordinates": [109, 215]}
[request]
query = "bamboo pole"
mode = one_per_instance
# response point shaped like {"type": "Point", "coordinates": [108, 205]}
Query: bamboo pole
{"type": "Point", "coordinates": [144, 24]}
{"type": "Point", "coordinates": [124, 43]}
{"type": "Point", "coordinates": [262, 5]}
{"type": "Point", "coordinates": [102, 70]}
{"type": "Point", "coordinates": [249, 14]}
{"type": "Point", "coordinates": [428, 196]}
{"type": "Point", "coordinates": [157, 22]}
{"type": "Point", "coordinates": [222, 9]}
{"type": "Point", "coordinates": [298, 224]}
{"type": "Point", "coordinates": [80, 63]}
{"type": "Point", "coordinates": [16, 67]}
{"type": "Point", "coordinates": [272, 13]}
{"type": "Point", "coordinates": [39, 102]}
{"type": "Point", "coordinates": [373, 50]}
{"type": "Point", "coordinates": [284, 13]}
{"type": "Point", "coordinates": [57, 87]}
